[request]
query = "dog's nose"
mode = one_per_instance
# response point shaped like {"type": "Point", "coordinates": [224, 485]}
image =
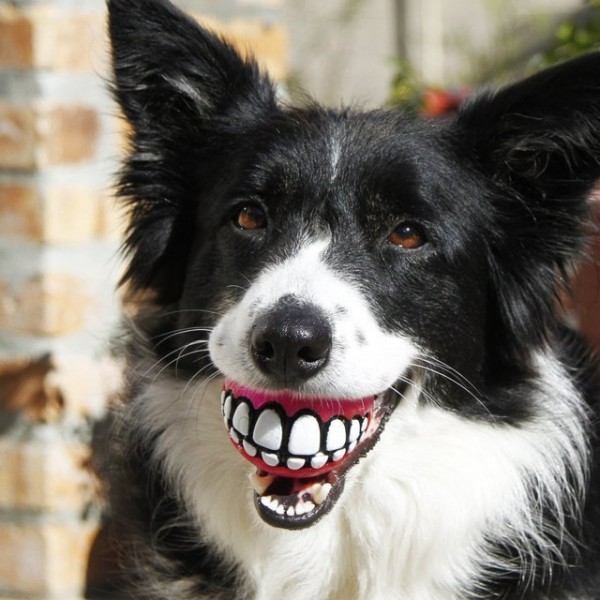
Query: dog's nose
{"type": "Point", "coordinates": [291, 342]}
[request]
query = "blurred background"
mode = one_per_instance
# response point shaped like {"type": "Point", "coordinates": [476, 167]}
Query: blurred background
{"type": "Point", "coordinates": [60, 139]}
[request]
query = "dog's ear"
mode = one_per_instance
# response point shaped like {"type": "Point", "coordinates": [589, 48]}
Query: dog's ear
{"type": "Point", "coordinates": [537, 143]}
{"type": "Point", "coordinates": [189, 98]}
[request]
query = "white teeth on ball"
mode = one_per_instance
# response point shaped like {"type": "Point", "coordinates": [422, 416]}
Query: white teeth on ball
{"type": "Point", "coordinates": [318, 460]}
{"type": "Point", "coordinates": [305, 436]}
{"type": "Point", "coordinates": [241, 418]}
{"type": "Point", "coordinates": [294, 463]}
{"type": "Point", "coordinates": [336, 435]}
{"type": "Point", "coordinates": [227, 407]}
{"type": "Point", "coordinates": [249, 448]}
{"type": "Point", "coordinates": [294, 442]}
{"type": "Point", "coordinates": [271, 459]}
{"type": "Point", "coordinates": [268, 431]}
{"type": "Point", "coordinates": [338, 454]}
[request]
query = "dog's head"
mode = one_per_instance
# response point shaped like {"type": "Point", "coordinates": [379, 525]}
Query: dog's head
{"type": "Point", "coordinates": [336, 260]}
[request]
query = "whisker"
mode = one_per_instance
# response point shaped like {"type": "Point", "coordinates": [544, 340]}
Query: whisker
{"type": "Point", "coordinates": [193, 310]}
{"type": "Point", "coordinates": [453, 380]}
{"type": "Point", "coordinates": [182, 354]}
{"type": "Point", "coordinates": [412, 384]}
{"type": "Point", "coordinates": [163, 337]}
{"type": "Point", "coordinates": [432, 360]}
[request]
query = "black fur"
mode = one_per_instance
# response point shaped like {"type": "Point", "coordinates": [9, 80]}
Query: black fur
{"type": "Point", "coordinates": [500, 193]}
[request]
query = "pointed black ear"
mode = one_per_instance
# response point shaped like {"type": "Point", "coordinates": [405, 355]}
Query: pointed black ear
{"type": "Point", "coordinates": [165, 64]}
{"type": "Point", "coordinates": [537, 143]}
{"type": "Point", "coordinates": [190, 99]}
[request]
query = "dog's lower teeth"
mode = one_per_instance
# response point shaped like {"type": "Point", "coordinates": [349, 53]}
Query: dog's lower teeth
{"type": "Point", "coordinates": [261, 483]}
{"type": "Point", "coordinates": [321, 493]}
{"type": "Point", "coordinates": [306, 501]}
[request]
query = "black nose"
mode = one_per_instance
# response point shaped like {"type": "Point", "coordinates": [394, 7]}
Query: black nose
{"type": "Point", "coordinates": [291, 342]}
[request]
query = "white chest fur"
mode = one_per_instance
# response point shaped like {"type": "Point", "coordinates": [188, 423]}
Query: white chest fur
{"type": "Point", "coordinates": [414, 516]}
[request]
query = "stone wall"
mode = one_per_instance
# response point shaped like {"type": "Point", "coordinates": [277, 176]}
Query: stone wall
{"type": "Point", "coordinates": [59, 237]}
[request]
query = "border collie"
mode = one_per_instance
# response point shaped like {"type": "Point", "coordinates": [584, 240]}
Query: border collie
{"type": "Point", "coordinates": [351, 378]}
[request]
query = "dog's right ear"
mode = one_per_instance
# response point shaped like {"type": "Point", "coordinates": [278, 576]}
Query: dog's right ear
{"type": "Point", "coordinates": [189, 97]}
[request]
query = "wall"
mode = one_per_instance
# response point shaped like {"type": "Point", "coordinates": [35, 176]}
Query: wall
{"type": "Point", "coordinates": [59, 237]}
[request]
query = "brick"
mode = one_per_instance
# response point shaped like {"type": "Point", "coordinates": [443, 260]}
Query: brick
{"type": "Point", "coordinates": [63, 387]}
{"type": "Point", "coordinates": [17, 136]}
{"type": "Point", "coordinates": [71, 214]}
{"type": "Point", "coordinates": [267, 42]}
{"type": "Point", "coordinates": [58, 213]}
{"type": "Point", "coordinates": [41, 134]}
{"type": "Point", "coordinates": [66, 134]}
{"type": "Point", "coordinates": [16, 38]}
{"type": "Point", "coordinates": [39, 476]}
{"type": "Point", "coordinates": [20, 212]}
{"type": "Point", "coordinates": [47, 559]}
{"type": "Point", "coordinates": [50, 304]}
{"type": "Point", "coordinates": [111, 220]}
{"type": "Point", "coordinates": [85, 384]}
{"type": "Point", "coordinates": [24, 387]}
{"type": "Point", "coordinates": [42, 37]}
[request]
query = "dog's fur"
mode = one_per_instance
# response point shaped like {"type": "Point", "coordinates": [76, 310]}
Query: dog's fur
{"type": "Point", "coordinates": [432, 254]}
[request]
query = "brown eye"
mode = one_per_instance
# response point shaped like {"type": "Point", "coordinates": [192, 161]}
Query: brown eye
{"type": "Point", "coordinates": [250, 218]}
{"type": "Point", "coordinates": [407, 236]}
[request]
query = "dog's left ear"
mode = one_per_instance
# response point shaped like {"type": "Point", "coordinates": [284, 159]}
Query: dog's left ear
{"type": "Point", "coordinates": [167, 67]}
{"type": "Point", "coordinates": [537, 143]}
{"type": "Point", "coordinates": [191, 101]}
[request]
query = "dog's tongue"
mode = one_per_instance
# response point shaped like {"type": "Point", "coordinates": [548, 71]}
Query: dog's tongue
{"type": "Point", "coordinates": [288, 435]}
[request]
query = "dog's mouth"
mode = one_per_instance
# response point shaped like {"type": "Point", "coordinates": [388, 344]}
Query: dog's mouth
{"type": "Point", "coordinates": [302, 446]}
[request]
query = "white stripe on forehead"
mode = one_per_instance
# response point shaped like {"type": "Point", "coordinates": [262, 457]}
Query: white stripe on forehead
{"type": "Point", "coordinates": [299, 275]}
{"type": "Point", "coordinates": [335, 151]}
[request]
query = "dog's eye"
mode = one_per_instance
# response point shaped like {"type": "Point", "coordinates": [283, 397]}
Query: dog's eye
{"type": "Point", "coordinates": [407, 236]}
{"type": "Point", "coordinates": [250, 217]}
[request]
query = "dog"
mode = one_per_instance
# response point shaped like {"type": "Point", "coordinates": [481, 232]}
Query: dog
{"type": "Point", "coordinates": [351, 376]}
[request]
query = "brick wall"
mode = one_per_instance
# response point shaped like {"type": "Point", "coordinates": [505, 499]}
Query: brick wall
{"type": "Point", "coordinates": [59, 237]}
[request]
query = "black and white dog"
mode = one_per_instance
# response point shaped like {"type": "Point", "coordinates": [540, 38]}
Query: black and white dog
{"type": "Point", "coordinates": [352, 380]}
